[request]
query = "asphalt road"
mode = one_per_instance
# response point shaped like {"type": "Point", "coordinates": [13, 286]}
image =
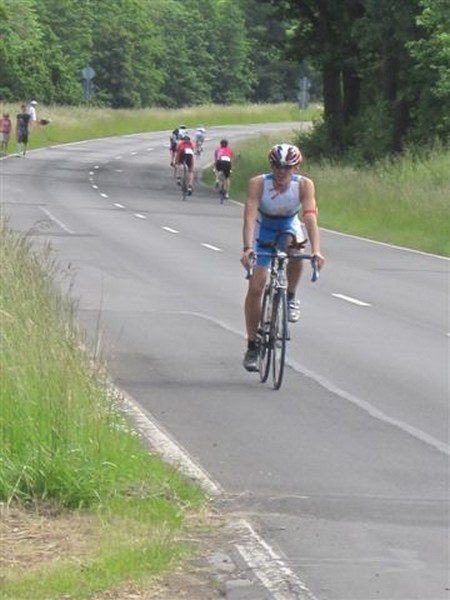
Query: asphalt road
{"type": "Point", "coordinates": [344, 471]}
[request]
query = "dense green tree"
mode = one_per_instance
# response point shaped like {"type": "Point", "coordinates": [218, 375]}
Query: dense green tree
{"type": "Point", "coordinates": [276, 76]}
{"type": "Point", "coordinates": [382, 35]}
{"type": "Point", "coordinates": [324, 32]}
{"type": "Point", "coordinates": [24, 73]}
{"type": "Point", "coordinates": [126, 50]}
{"type": "Point", "coordinates": [384, 64]}
{"type": "Point", "coordinates": [375, 57]}
{"type": "Point", "coordinates": [67, 36]}
{"type": "Point", "coordinates": [430, 75]}
{"type": "Point", "coordinates": [235, 80]}
{"type": "Point", "coordinates": [184, 61]}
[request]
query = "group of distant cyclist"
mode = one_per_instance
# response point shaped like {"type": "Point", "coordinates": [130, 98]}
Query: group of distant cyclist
{"type": "Point", "coordinates": [281, 202]}
{"type": "Point", "coordinates": [184, 150]}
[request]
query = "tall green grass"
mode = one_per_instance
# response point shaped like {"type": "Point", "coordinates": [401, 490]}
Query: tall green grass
{"type": "Point", "coordinates": [65, 442]}
{"type": "Point", "coordinates": [62, 434]}
{"type": "Point", "coordinates": [403, 201]}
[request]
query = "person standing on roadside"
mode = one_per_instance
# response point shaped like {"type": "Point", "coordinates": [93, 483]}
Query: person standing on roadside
{"type": "Point", "coordinates": [31, 110]}
{"type": "Point", "coordinates": [5, 132]}
{"type": "Point", "coordinates": [22, 130]}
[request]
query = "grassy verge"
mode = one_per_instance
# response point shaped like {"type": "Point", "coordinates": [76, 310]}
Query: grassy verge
{"type": "Point", "coordinates": [68, 450]}
{"type": "Point", "coordinates": [403, 202]}
{"type": "Point", "coordinates": [80, 123]}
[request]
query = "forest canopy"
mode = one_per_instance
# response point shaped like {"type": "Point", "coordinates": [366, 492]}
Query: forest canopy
{"type": "Point", "coordinates": [380, 67]}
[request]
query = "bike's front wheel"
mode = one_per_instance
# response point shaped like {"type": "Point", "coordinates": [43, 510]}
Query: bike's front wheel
{"type": "Point", "coordinates": [264, 348]}
{"type": "Point", "coordinates": [279, 337]}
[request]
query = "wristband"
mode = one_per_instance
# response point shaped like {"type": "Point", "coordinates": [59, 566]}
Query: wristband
{"type": "Point", "coordinates": [247, 248]}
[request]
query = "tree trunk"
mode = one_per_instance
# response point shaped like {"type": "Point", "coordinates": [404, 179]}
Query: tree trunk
{"type": "Point", "coordinates": [332, 96]}
{"type": "Point", "coordinates": [332, 99]}
{"type": "Point", "coordinates": [351, 83]}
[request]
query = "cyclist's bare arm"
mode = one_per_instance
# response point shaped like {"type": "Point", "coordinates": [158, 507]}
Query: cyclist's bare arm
{"type": "Point", "coordinates": [254, 192]}
{"type": "Point", "coordinates": [309, 217]}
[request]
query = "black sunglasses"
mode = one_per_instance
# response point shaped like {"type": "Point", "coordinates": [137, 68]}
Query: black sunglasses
{"type": "Point", "coordinates": [284, 167]}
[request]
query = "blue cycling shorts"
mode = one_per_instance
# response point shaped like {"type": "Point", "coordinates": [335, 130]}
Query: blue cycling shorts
{"type": "Point", "coordinates": [267, 230]}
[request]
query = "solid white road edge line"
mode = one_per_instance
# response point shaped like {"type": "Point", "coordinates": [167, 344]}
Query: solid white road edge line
{"type": "Point", "coordinates": [270, 569]}
{"type": "Point", "coordinates": [55, 220]}
{"type": "Point", "coordinates": [265, 563]}
{"type": "Point", "coordinates": [336, 390]}
{"type": "Point", "coordinates": [168, 448]}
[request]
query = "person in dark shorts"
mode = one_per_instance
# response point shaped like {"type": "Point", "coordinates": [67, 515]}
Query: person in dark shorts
{"type": "Point", "coordinates": [22, 130]}
{"type": "Point", "coordinates": [185, 154]}
{"type": "Point", "coordinates": [223, 156]}
{"type": "Point", "coordinates": [177, 134]}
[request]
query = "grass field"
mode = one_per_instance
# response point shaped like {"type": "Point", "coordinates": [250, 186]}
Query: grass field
{"type": "Point", "coordinates": [403, 202]}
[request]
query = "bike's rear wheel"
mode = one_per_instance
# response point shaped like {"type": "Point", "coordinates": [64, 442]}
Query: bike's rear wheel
{"type": "Point", "coordinates": [264, 349]}
{"type": "Point", "coordinates": [184, 182]}
{"type": "Point", "coordinates": [279, 337]}
{"type": "Point", "coordinates": [221, 189]}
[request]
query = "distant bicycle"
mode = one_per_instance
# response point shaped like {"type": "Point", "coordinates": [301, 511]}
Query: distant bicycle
{"type": "Point", "coordinates": [184, 181]}
{"type": "Point", "coordinates": [199, 136]}
{"type": "Point", "coordinates": [273, 331]}
{"type": "Point", "coordinates": [198, 147]}
{"type": "Point", "coordinates": [223, 195]}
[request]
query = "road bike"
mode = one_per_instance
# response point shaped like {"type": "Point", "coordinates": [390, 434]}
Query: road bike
{"type": "Point", "coordinates": [273, 330]}
{"type": "Point", "coordinates": [221, 187]}
{"type": "Point", "coordinates": [198, 148]}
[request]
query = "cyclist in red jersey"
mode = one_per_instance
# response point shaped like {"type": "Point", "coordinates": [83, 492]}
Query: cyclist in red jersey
{"type": "Point", "coordinates": [223, 156]}
{"type": "Point", "coordinates": [185, 154]}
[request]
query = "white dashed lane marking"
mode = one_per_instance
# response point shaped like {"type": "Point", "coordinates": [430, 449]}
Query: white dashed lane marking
{"type": "Point", "coordinates": [169, 229]}
{"type": "Point", "coordinates": [210, 247]}
{"type": "Point", "coordinates": [351, 300]}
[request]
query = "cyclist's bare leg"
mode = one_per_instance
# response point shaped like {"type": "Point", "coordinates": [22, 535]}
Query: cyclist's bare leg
{"type": "Point", "coordinates": [294, 273]}
{"type": "Point", "coordinates": [252, 306]}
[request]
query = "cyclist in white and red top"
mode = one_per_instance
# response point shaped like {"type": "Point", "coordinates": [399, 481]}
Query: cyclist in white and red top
{"type": "Point", "coordinates": [275, 202]}
{"type": "Point", "coordinates": [223, 156]}
{"type": "Point", "coordinates": [185, 154]}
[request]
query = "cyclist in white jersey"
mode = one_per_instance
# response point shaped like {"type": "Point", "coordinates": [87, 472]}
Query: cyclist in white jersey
{"type": "Point", "coordinates": [199, 138]}
{"type": "Point", "coordinates": [273, 203]}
